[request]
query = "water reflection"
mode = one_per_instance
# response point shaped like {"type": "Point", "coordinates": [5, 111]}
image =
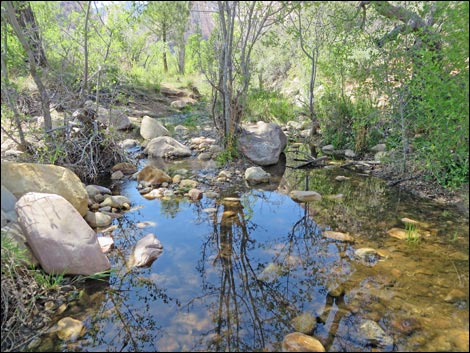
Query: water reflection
{"type": "Point", "coordinates": [237, 273]}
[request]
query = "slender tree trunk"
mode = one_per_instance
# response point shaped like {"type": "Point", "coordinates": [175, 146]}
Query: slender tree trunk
{"type": "Point", "coordinates": [181, 58]}
{"type": "Point", "coordinates": [227, 20]}
{"type": "Point", "coordinates": [11, 16]}
{"type": "Point", "coordinates": [311, 86]}
{"type": "Point", "coordinates": [84, 90]}
{"type": "Point", "coordinates": [165, 63]}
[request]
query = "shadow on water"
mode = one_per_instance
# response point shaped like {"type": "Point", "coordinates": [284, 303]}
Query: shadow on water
{"type": "Point", "coordinates": [241, 272]}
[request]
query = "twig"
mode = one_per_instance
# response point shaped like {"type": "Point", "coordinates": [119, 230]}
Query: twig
{"type": "Point", "coordinates": [313, 163]}
{"type": "Point", "coordinates": [393, 183]}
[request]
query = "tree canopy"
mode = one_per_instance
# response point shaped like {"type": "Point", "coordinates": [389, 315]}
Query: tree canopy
{"type": "Point", "coordinates": [365, 72]}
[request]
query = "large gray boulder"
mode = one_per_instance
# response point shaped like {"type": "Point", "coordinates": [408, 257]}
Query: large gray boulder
{"type": "Point", "coordinates": [166, 147]}
{"type": "Point", "coordinates": [59, 237]}
{"type": "Point", "coordinates": [262, 142]}
{"type": "Point", "coordinates": [151, 128]}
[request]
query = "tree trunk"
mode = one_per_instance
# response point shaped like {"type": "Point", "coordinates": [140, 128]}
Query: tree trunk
{"type": "Point", "coordinates": [11, 17]}
{"type": "Point", "coordinates": [227, 21]}
{"type": "Point", "coordinates": [165, 63]}
{"type": "Point", "coordinates": [181, 58]}
{"type": "Point", "coordinates": [84, 89]}
{"type": "Point", "coordinates": [27, 23]}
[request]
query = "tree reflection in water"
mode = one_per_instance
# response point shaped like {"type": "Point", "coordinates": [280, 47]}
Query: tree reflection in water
{"type": "Point", "coordinates": [126, 322]}
{"type": "Point", "coordinates": [255, 287]}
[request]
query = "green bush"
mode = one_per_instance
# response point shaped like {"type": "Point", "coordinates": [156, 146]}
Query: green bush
{"type": "Point", "coordinates": [269, 106]}
{"type": "Point", "coordinates": [349, 124]}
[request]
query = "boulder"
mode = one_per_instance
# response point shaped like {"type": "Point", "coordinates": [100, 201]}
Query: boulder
{"type": "Point", "coordinates": [151, 128]}
{"type": "Point", "coordinates": [59, 237]}
{"type": "Point", "coordinates": [262, 142]}
{"type": "Point", "coordinates": [374, 335]}
{"type": "Point", "coordinates": [106, 243]}
{"type": "Point", "coordinates": [167, 147]}
{"type": "Point", "coordinates": [21, 178]}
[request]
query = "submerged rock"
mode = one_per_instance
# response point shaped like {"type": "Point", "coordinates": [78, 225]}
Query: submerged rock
{"type": "Point", "coordinates": [338, 236]}
{"type": "Point", "coordinates": [69, 329]}
{"type": "Point", "coordinates": [373, 334]}
{"type": "Point", "coordinates": [304, 323]}
{"type": "Point", "coordinates": [304, 196]}
{"type": "Point", "coordinates": [146, 251]}
{"type": "Point", "coordinates": [368, 256]}
{"type": "Point", "coordinates": [299, 342]}
{"type": "Point", "coordinates": [153, 176]}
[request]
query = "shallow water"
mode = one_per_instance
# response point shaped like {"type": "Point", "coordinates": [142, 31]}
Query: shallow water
{"type": "Point", "coordinates": [237, 275]}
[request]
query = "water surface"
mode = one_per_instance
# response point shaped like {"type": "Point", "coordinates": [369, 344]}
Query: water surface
{"type": "Point", "coordinates": [236, 275]}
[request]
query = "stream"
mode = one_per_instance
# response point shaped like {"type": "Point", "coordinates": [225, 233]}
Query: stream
{"type": "Point", "coordinates": [242, 270]}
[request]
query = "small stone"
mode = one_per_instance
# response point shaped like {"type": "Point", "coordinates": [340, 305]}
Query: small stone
{"type": "Point", "coordinates": [342, 178]}
{"type": "Point", "coordinates": [50, 305]}
{"type": "Point", "coordinates": [338, 236]}
{"type": "Point", "coordinates": [117, 175]}
{"type": "Point", "coordinates": [195, 194]}
{"type": "Point", "coordinates": [70, 329]}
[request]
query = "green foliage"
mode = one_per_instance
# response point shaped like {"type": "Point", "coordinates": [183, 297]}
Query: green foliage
{"type": "Point", "coordinates": [149, 79]}
{"type": "Point", "coordinates": [412, 235]}
{"type": "Point", "coordinates": [11, 254]}
{"type": "Point", "coordinates": [191, 121]}
{"type": "Point", "coordinates": [425, 117]}
{"type": "Point", "coordinates": [349, 124]}
{"type": "Point", "coordinates": [47, 281]}
{"type": "Point", "coordinates": [438, 110]}
{"type": "Point", "coordinates": [230, 151]}
{"type": "Point", "coordinates": [192, 53]}
{"type": "Point", "coordinates": [50, 153]}
{"type": "Point", "coordinates": [269, 106]}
